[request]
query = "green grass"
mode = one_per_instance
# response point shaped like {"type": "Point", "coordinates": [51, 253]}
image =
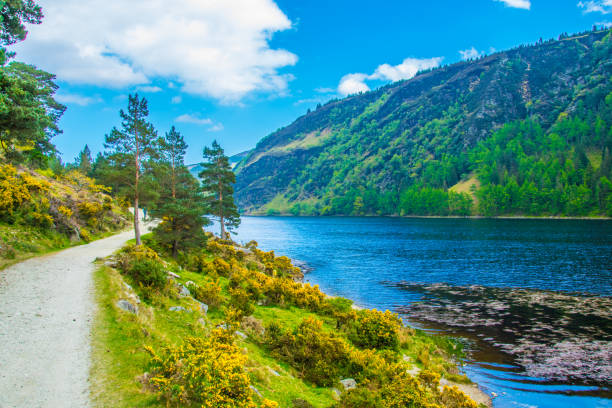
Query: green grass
{"type": "Point", "coordinates": [119, 338]}
{"type": "Point", "coordinates": [120, 360]}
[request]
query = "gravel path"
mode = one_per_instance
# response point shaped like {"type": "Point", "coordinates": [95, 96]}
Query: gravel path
{"type": "Point", "coordinates": [46, 310]}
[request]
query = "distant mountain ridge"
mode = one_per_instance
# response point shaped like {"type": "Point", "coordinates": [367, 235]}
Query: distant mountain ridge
{"type": "Point", "coordinates": [196, 168]}
{"type": "Point", "coordinates": [359, 155]}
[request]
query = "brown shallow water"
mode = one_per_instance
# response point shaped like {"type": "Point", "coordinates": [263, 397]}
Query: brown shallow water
{"type": "Point", "coordinates": [559, 338]}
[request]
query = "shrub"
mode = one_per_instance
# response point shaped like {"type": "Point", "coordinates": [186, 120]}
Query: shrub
{"type": "Point", "coordinates": [241, 301]}
{"type": "Point", "coordinates": [374, 329]}
{"type": "Point", "coordinates": [148, 272]}
{"type": "Point", "coordinates": [252, 326]}
{"type": "Point", "coordinates": [453, 397]}
{"type": "Point", "coordinates": [65, 211]}
{"type": "Point", "coordinates": [320, 357]}
{"type": "Point", "coordinates": [144, 266]}
{"type": "Point", "coordinates": [221, 267]}
{"type": "Point", "coordinates": [208, 372]}
{"type": "Point", "coordinates": [209, 293]}
{"type": "Point", "coordinates": [301, 403]}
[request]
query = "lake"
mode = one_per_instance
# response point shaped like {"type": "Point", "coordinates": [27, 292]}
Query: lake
{"type": "Point", "coordinates": [354, 257]}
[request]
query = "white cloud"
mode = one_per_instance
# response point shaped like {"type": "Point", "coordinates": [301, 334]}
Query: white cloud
{"type": "Point", "coordinates": [193, 119]}
{"type": "Point", "coordinates": [522, 4]}
{"type": "Point", "coordinates": [356, 82]}
{"type": "Point", "coordinates": [470, 53]}
{"type": "Point", "coordinates": [80, 100]}
{"type": "Point", "coordinates": [596, 6]}
{"type": "Point", "coordinates": [149, 89]}
{"type": "Point", "coordinates": [352, 84]}
{"type": "Point", "coordinates": [606, 24]}
{"type": "Point", "coordinates": [200, 121]}
{"type": "Point", "coordinates": [176, 99]}
{"type": "Point", "coordinates": [217, 127]}
{"type": "Point", "coordinates": [216, 48]}
{"type": "Point", "coordinates": [406, 70]}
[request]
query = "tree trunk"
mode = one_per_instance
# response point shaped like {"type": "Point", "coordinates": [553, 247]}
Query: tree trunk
{"type": "Point", "coordinates": [136, 221]}
{"type": "Point", "coordinates": [221, 220]}
{"type": "Point", "coordinates": [136, 195]}
{"type": "Point", "coordinates": [174, 249]}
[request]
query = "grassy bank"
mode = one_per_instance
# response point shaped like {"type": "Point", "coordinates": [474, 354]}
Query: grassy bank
{"type": "Point", "coordinates": [293, 344]}
{"type": "Point", "coordinates": [41, 212]}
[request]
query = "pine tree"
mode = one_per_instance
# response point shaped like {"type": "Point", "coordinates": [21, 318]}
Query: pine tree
{"type": "Point", "coordinates": [181, 205]}
{"type": "Point", "coordinates": [130, 150]}
{"type": "Point", "coordinates": [217, 180]}
{"type": "Point", "coordinates": [84, 161]}
{"type": "Point", "coordinates": [173, 149]}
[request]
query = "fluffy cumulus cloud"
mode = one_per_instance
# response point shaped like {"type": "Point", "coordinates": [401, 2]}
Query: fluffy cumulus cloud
{"type": "Point", "coordinates": [470, 53]}
{"type": "Point", "coordinates": [216, 48]}
{"type": "Point", "coordinates": [596, 6]}
{"type": "Point", "coordinates": [522, 4]}
{"type": "Point", "coordinates": [355, 83]}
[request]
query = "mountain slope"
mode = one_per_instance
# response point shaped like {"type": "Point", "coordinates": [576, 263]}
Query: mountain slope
{"type": "Point", "coordinates": [400, 149]}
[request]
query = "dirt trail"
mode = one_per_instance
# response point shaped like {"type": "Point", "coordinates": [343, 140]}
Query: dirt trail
{"type": "Point", "coordinates": [46, 310]}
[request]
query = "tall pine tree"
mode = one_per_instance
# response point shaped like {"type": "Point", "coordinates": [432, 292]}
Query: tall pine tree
{"type": "Point", "coordinates": [181, 205]}
{"type": "Point", "coordinates": [130, 150]}
{"type": "Point", "coordinates": [217, 182]}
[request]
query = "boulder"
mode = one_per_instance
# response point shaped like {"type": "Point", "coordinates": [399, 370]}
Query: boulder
{"type": "Point", "coordinates": [127, 306]}
{"type": "Point", "coordinates": [241, 334]}
{"type": "Point", "coordinates": [177, 309]}
{"type": "Point", "coordinates": [183, 291]}
{"type": "Point", "coordinates": [348, 384]}
{"type": "Point", "coordinates": [173, 275]}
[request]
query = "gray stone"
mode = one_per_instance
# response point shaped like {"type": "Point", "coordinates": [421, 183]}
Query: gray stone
{"type": "Point", "coordinates": [183, 291]}
{"type": "Point", "coordinates": [177, 309]}
{"type": "Point", "coordinates": [256, 391]}
{"type": "Point", "coordinates": [173, 275]}
{"type": "Point", "coordinates": [336, 394]}
{"type": "Point", "coordinates": [273, 372]}
{"type": "Point", "coordinates": [203, 306]}
{"type": "Point", "coordinates": [128, 287]}
{"type": "Point", "coordinates": [348, 384]}
{"type": "Point", "coordinates": [241, 334]}
{"type": "Point", "coordinates": [127, 306]}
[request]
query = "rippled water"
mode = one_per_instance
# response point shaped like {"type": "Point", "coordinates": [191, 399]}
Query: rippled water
{"type": "Point", "coordinates": [350, 257]}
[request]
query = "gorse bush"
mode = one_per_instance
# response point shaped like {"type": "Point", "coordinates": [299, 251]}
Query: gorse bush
{"type": "Point", "coordinates": [144, 266]}
{"type": "Point", "coordinates": [374, 329]}
{"type": "Point", "coordinates": [208, 372]}
{"type": "Point", "coordinates": [318, 356]}
{"type": "Point", "coordinates": [209, 293]}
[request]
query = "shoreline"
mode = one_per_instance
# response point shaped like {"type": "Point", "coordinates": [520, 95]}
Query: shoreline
{"type": "Point", "coordinates": [470, 217]}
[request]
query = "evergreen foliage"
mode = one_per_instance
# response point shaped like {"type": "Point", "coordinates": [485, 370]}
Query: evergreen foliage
{"type": "Point", "coordinates": [131, 149]}
{"type": "Point", "coordinates": [529, 128]}
{"type": "Point", "coordinates": [180, 205]}
{"type": "Point", "coordinates": [217, 180]}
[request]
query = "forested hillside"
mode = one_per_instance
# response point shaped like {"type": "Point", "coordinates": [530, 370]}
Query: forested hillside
{"type": "Point", "coordinates": [521, 132]}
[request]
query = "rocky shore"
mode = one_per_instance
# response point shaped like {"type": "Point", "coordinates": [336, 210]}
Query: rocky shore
{"type": "Point", "coordinates": [561, 337]}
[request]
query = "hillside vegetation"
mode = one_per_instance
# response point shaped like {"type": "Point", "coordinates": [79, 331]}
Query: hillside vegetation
{"type": "Point", "coordinates": [42, 211]}
{"type": "Point", "coordinates": [521, 132]}
{"type": "Point", "coordinates": [231, 326]}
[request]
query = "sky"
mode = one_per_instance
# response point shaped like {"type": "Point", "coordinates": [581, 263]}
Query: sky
{"type": "Point", "coordinates": [236, 70]}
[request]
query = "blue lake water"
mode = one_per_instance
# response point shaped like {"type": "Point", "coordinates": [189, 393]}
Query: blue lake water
{"type": "Point", "coordinates": [350, 257]}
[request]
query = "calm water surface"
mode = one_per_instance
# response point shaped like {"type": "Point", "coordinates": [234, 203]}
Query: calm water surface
{"type": "Point", "coordinates": [350, 257]}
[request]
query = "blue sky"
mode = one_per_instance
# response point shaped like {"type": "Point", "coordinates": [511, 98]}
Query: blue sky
{"type": "Point", "coordinates": [236, 70]}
